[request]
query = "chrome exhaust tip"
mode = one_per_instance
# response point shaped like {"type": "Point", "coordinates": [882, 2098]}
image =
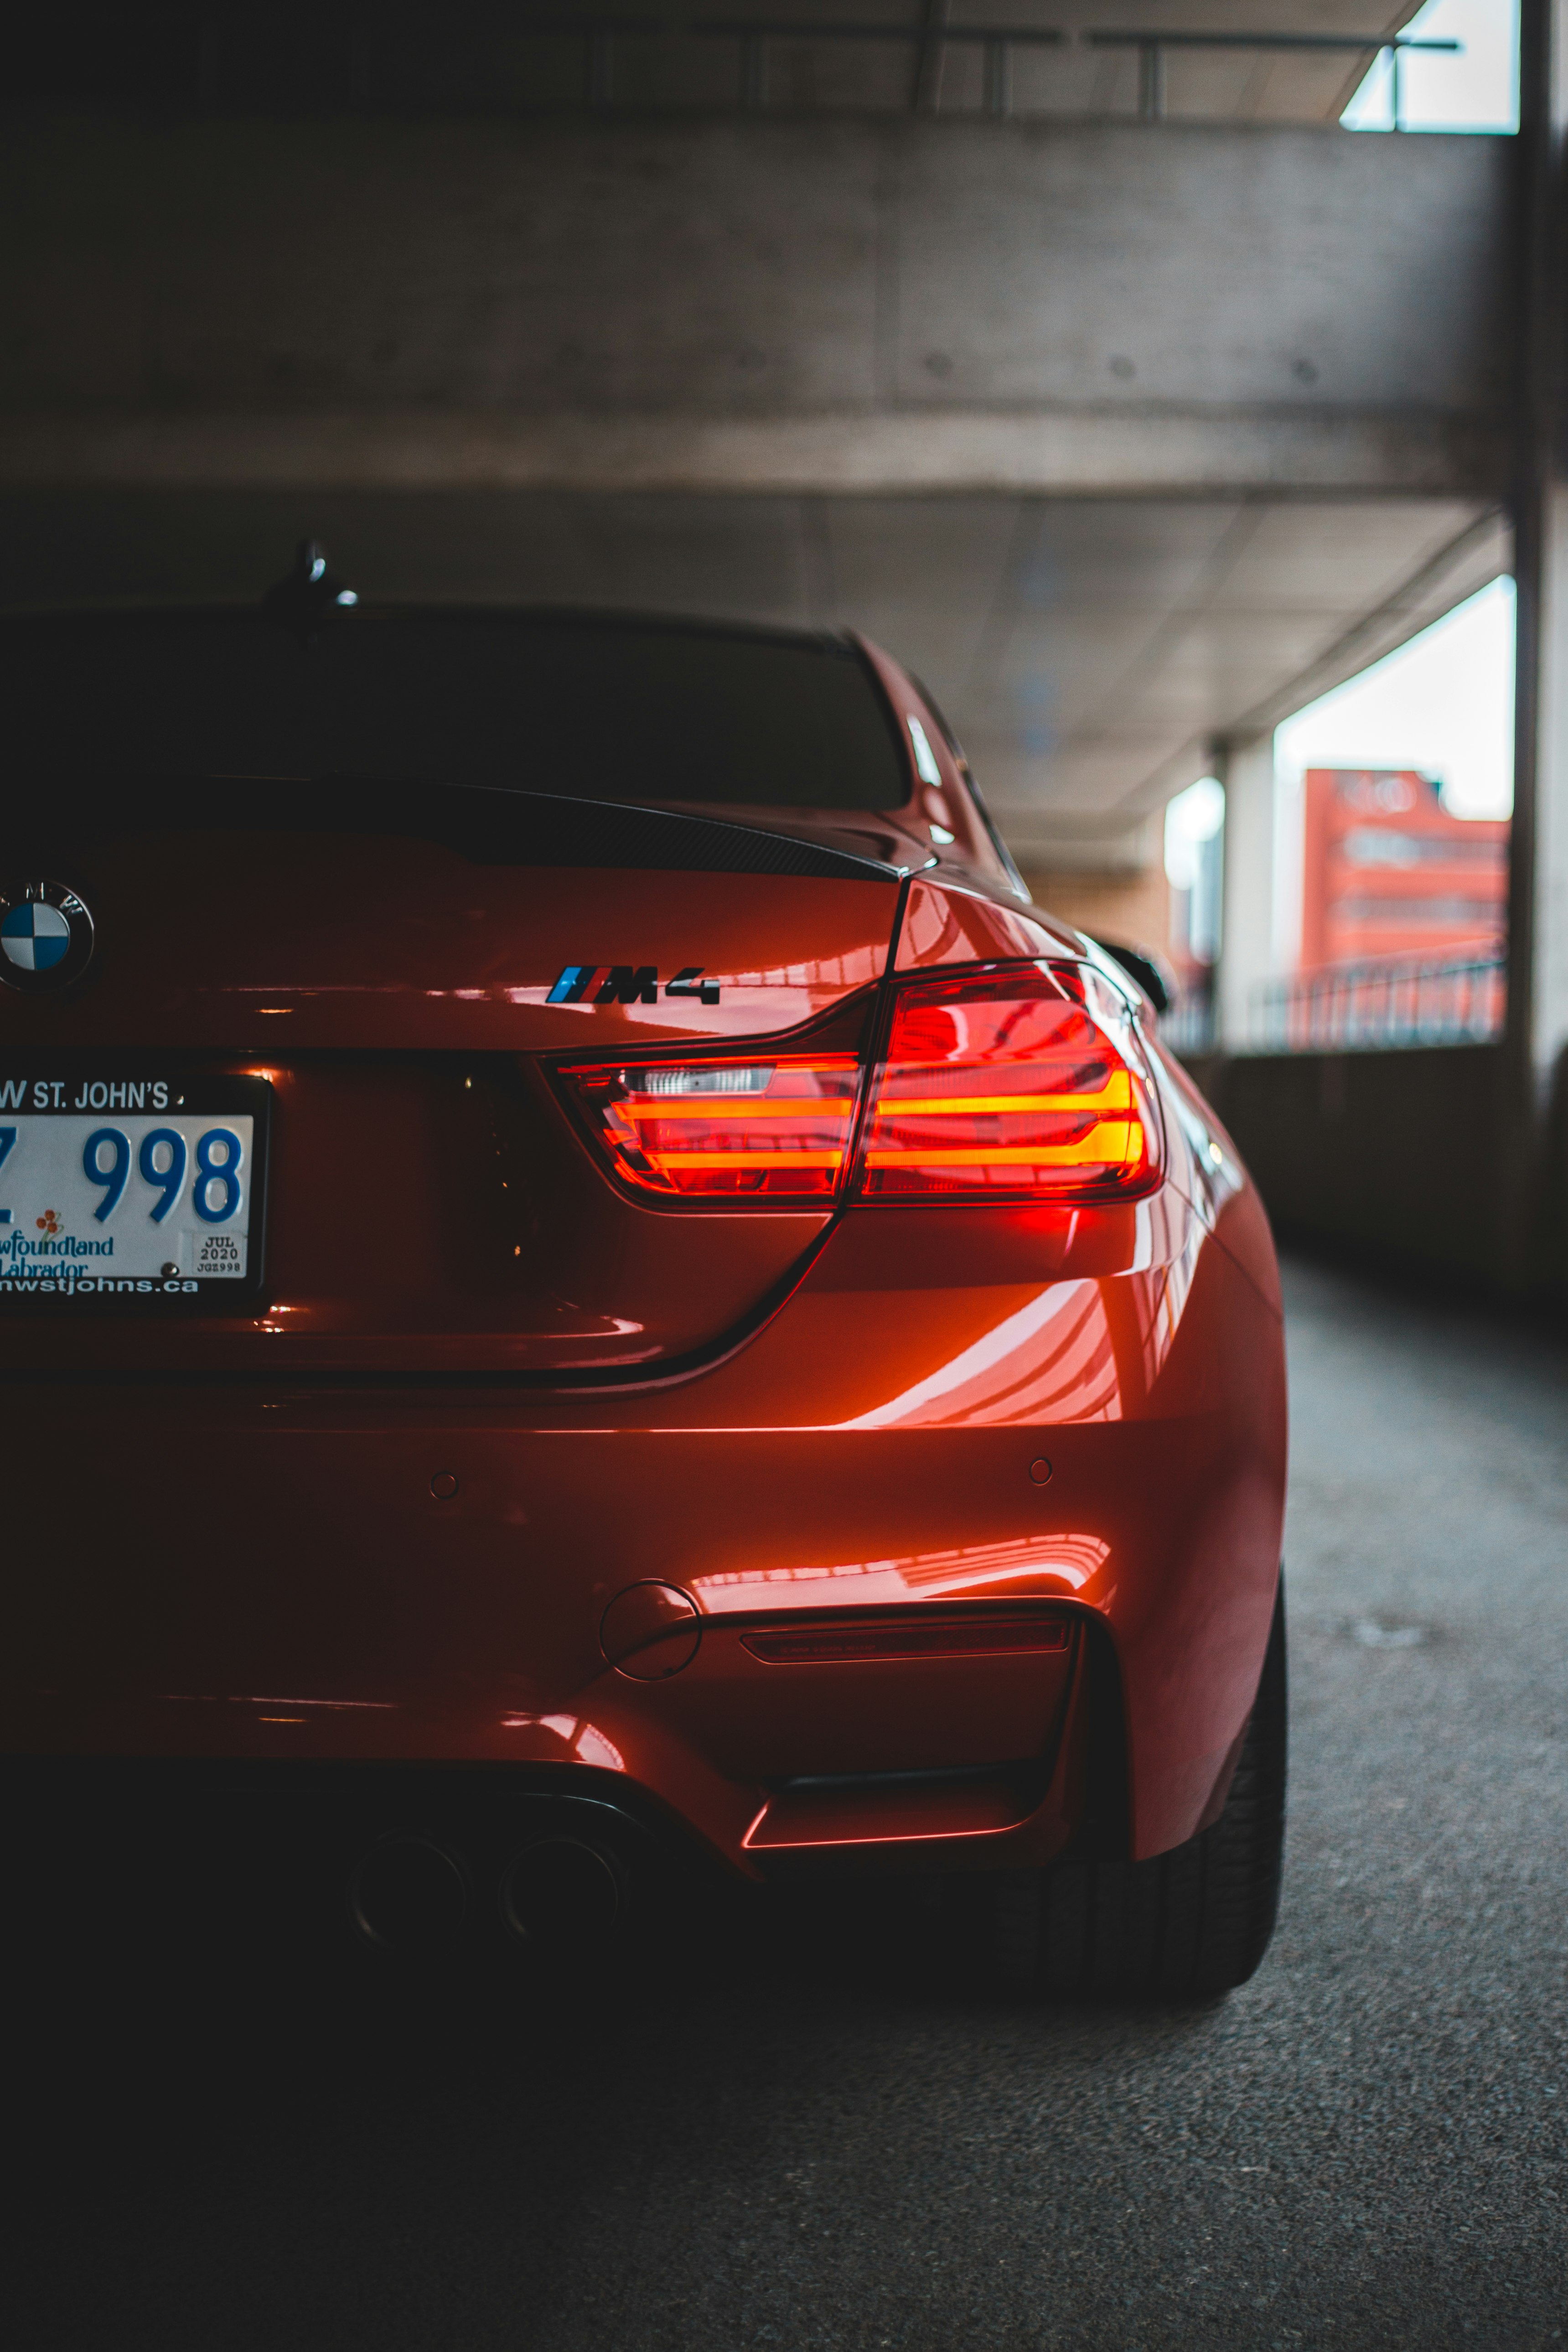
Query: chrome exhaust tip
{"type": "Point", "coordinates": [408, 1896]}
{"type": "Point", "coordinates": [565, 1895]}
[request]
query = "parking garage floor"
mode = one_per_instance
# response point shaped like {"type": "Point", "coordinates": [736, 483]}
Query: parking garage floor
{"type": "Point", "coordinates": [808, 2132]}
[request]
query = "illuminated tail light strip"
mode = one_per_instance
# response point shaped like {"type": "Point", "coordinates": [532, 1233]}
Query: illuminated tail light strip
{"type": "Point", "coordinates": [746, 1130]}
{"type": "Point", "coordinates": [1007, 1085]}
{"type": "Point", "coordinates": [972, 1637]}
{"type": "Point", "coordinates": [1022, 1083]}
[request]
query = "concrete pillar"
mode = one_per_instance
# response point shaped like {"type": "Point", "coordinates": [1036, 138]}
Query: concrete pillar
{"type": "Point", "coordinates": [1246, 914]}
{"type": "Point", "coordinates": [1532, 1203]}
{"type": "Point", "coordinates": [1540, 972]}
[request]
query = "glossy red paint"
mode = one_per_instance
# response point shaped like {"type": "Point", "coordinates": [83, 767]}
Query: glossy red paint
{"type": "Point", "coordinates": [416, 1506]}
{"type": "Point", "coordinates": [950, 920]}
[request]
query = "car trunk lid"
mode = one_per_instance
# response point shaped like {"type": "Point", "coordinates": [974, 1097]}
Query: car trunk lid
{"type": "Point", "coordinates": [398, 966]}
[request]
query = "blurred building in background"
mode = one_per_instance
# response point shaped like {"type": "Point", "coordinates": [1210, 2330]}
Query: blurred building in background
{"type": "Point", "coordinates": [1386, 871]}
{"type": "Point", "coordinates": [1404, 920]}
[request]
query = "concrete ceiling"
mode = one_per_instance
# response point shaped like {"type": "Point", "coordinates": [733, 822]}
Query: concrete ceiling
{"type": "Point", "coordinates": [1092, 653]}
{"type": "Point", "coordinates": [1089, 651]}
{"type": "Point", "coordinates": [760, 369]}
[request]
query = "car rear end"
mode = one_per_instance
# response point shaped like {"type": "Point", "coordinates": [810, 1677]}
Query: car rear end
{"type": "Point", "coordinates": [574, 1237]}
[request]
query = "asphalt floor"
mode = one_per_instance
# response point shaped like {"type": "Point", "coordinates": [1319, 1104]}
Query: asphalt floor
{"type": "Point", "coordinates": [814, 2137]}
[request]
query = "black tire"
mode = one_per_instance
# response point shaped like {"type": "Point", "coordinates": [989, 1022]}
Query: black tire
{"type": "Point", "coordinates": [1191, 1923]}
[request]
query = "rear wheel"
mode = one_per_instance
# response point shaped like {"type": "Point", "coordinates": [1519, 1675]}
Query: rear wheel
{"type": "Point", "coordinates": [1192, 1922]}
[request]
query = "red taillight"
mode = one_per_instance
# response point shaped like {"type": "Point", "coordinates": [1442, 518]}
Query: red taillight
{"type": "Point", "coordinates": [747, 1129]}
{"type": "Point", "coordinates": [1008, 1086]}
{"type": "Point", "coordinates": [1019, 1083]}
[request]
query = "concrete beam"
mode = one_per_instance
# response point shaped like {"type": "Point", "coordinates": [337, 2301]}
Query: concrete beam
{"type": "Point", "coordinates": [1023, 452]}
{"type": "Point", "coordinates": [827, 305]}
{"type": "Point", "coordinates": [1547, 977]}
{"type": "Point", "coordinates": [1533, 1218]}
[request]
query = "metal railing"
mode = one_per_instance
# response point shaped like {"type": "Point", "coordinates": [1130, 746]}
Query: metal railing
{"type": "Point", "coordinates": [1152, 48]}
{"type": "Point", "coordinates": [927, 39]}
{"type": "Point", "coordinates": [1398, 1001]}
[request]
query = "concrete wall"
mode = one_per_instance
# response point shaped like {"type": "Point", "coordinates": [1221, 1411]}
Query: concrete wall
{"type": "Point", "coordinates": [840, 304]}
{"type": "Point", "coordinates": [1403, 1157]}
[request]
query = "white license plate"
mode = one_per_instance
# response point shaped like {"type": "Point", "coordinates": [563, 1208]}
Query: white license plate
{"type": "Point", "coordinates": [139, 1189]}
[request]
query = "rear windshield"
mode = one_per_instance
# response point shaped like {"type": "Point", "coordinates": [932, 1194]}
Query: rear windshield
{"type": "Point", "coordinates": [603, 709]}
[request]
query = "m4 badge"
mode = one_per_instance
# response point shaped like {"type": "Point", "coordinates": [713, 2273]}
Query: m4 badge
{"type": "Point", "coordinates": [626, 983]}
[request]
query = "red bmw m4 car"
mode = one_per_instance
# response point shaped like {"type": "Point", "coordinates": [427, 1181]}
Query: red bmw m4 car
{"type": "Point", "coordinates": [584, 1276]}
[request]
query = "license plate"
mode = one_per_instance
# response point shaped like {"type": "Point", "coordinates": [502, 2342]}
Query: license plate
{"type": "Point", "coordinates": [145, 1191]}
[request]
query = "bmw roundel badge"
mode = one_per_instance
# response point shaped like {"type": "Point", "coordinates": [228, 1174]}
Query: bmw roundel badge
{"type": "Point", "coordinates": [45, 935]}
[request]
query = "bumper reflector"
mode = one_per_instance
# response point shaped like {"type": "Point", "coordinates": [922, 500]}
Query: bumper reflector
{"type": "Point", "coordinates": [933, 1637]}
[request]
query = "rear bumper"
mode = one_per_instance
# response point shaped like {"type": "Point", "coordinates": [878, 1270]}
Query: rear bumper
{"type": "Point", "coordinates": [287, 1574]}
